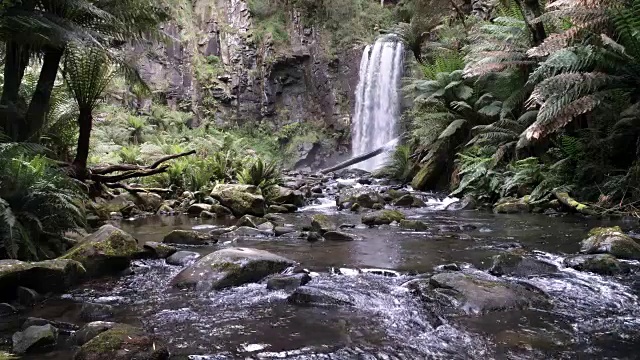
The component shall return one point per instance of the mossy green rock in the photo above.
(188, 237)
(108, 250)
(230, 267)
(511, 206)
(382, 217)
(44, 276)
(413, 225)
(461, 293)
(240, 199)
(322, 223)
(612, 241)
(280, 195)
(429, 174)
(123, 342)
(604, 264)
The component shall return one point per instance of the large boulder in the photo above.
(43, 277)
(230, 267)
(611, 241)
(34, 337)
(365, 198)
(240, 199)
(382, 217)
(518, 264)
(108, 250)
(321, 223)
(123, 342)
(188, 237)
(470, 293)
(280, 195)
(603, 264)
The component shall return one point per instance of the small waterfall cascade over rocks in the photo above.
(377, 100)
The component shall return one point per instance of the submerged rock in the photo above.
(182, 258)
(230, 267)
(611, 241)
(188, 237)
(43, 277)
(313, 236)
(604, 264)
(383, 217)
(106, 251)
(339, 236)
(90, 331)
(240, 199)
(474, 293)
(34, 337)
(408, 200)
(517, 264)
(414, 225)
(319, 296)
(96, 312)
(123, 342)
(288, 282)
(245, 232)
(511, 206)
(322, 223)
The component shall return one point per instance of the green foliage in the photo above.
(130, 155)
(399, 166)
(271, 21)
(260, 173)
(38, 205)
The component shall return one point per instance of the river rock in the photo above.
(365, 198)
(188, 237)
(245, 232)
(230, 267)
(240, 199)
(43, 277)
(474, 293)
(320, 296)
(220, 210)
(280, 195)
(250, 221)
(382, 217)
(96, 312)
(322, 223)
(339, 236)
(408, 201)
(145, 201)
(123, 342)
(511, 206)
(208, 215)
(156, 250)
(27, 297)
(603, 264)
(313, 236)
(34, 337)
(63, 327)
(182, 258)
(611, 241)
(282, 230)
(278, 209)
(276, 219)
(414, 225)
(108, 250)
(288, 282)
(516, 264)
(90, 331)
(197, 209)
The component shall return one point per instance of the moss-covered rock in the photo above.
(188, 237)
(382, 217)
(429, 174)
(511, 206)
(280, 195)
(612, 241)
(145, 201)
(123, 342)
(108, 250)
(408, 201)
(413, 225)
(156, 250)
(604, 264)
(364, 198)
(44, 276)
(322, 223)
(230, 267)
(240, 199)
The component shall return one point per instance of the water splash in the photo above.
(377, 99)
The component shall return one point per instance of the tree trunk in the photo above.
(531, 10)
(85, 122)
(16, 61)
(41, 97)
(355, 160)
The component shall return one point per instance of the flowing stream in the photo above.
(377, 99)
(591, 316)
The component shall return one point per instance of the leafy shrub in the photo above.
(260, 173)
(399, 166)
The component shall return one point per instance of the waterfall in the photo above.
(377, 100)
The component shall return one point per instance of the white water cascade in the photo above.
(377, 100)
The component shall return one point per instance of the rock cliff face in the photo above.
(214, 66)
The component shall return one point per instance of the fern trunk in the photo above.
(16, 61)
(531, 10)
(85, 122)
(42, 95)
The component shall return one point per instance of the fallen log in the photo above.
(137, 190)
(361, 158)
(572, 204)
(131, 167)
